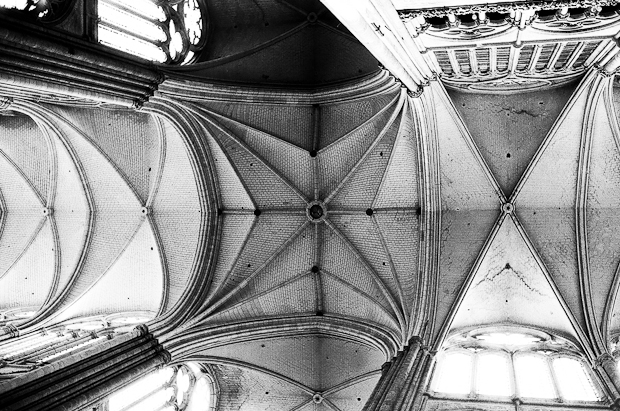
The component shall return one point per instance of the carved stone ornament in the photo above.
(469, 33)
(504, 8)
(5, 103)
(511, 83)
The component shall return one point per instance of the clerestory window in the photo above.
(187, 387)
(163, 31)
(505, 365)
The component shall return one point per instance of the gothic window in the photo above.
(532, 366)
(54, 343)
(46, 11)
(163, 31)
(187, 387)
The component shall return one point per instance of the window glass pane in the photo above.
(140, 388)
(155, 401)
(193, 21)
(200, 399)
(510, 339)
(573, 382)
(493, 375)
(130, 22)
(183, 383)
(129, 44)
(453, 375)
(145, 8)
(533, 377)
(14, 4)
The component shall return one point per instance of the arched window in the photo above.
(164, 31)
(506, 364)
(55, 343)
(187, 387)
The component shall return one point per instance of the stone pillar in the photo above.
(84, 379)
(402, 382)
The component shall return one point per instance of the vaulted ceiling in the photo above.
(345, 216)
(90, 200)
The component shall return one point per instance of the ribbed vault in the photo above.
(552, 262)
(94, 200)
(275, 258)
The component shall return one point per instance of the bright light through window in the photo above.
(533, 367)
(493, 375)
(164, 32)
(510, 339)
(145, 8)
(533, 377)
(184, 388)
(573, 381)
(454, 374)
(199, 400)
(14, 4)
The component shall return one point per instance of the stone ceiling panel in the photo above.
(509, 287)
(244, 389)
(321, 363)
(545, 200)
(337, 160)
(509, 128)
(602, 215)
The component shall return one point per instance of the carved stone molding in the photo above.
(503, 8)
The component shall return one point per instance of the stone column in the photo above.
(84, 379)
(401, 385)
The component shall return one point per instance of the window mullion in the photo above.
(513, 376)
(554, 379)
(473, 393)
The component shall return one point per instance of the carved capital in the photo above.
(416, 93)
(164, 354)
(142, 329)
(603, 359)
(9, 330)
(5, 102)
(601, 71)
(137, 104)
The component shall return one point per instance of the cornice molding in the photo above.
(499, 8)
(191, 91)
(201, 337)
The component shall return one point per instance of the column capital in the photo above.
(5, 102)
(9, 330)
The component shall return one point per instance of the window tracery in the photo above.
(504, 365)
(163, 31)
(187, 387)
